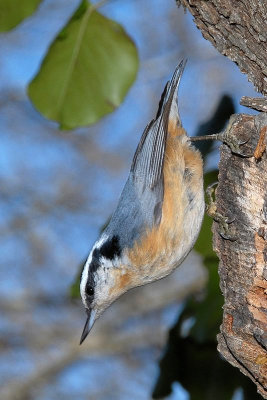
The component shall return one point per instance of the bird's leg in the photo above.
(215, 136)
(225, 231)
(226, 138)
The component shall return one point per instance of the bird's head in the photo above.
(104, 278)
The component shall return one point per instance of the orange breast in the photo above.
(155, 247)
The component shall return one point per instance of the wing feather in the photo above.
(140, 204)
(147, 165)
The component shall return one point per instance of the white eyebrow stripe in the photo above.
(100, 241)
(85, 277)
(85, 272)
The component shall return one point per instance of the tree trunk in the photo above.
(238, 30)
(241, 196)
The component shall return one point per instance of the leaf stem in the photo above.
(99, 4)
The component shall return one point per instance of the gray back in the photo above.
(140, 204)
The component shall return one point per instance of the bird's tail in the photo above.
(147, 165)
(168, 105)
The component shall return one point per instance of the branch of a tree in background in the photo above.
(109, 336)
(100, 344)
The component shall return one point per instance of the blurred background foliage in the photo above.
(77, 65)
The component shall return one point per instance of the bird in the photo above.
(158, 216)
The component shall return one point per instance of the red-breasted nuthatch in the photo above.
(158, 216)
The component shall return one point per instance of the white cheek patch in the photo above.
(106, 263)
(106, 280)
(116, 262)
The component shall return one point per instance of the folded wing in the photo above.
(140, 204)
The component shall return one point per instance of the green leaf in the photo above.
(12, 12)
(87, 71)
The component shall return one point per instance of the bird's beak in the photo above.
(91, 314)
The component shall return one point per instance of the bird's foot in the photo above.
(232, 141)
(226, 232)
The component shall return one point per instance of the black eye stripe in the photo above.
(95, 264)
(111, 248)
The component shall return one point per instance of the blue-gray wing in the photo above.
(147, 165)
(140, 204)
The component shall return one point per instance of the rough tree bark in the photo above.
(239, 31)
(241, 196)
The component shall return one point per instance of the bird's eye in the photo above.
(90, 290)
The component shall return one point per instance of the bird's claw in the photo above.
(226, 232)
(235, 145)
(233, 142)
